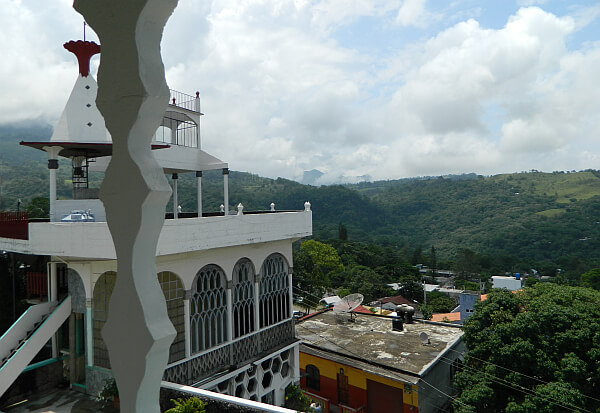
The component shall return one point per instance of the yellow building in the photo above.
(365, 365)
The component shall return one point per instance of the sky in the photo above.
(385, 89)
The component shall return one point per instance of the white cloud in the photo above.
(281, 95)
(415, 13)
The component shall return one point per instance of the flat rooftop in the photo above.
(371, 340)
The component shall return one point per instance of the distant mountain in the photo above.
(310, 177)
(547, 220)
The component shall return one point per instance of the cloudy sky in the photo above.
(385, 88)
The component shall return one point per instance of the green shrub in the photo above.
(189, 405)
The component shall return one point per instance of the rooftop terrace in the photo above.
(370, 340)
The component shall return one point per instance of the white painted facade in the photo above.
(508, 283)
(251, 350)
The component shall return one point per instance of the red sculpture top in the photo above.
(84, 51)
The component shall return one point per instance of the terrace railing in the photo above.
(321, 401)
(185, 101)
(236, 352)
(14, 225)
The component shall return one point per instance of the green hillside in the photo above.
(540, 220)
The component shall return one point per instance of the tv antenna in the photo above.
(348, 303)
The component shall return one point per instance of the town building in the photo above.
(369, 363)
(508, 283)
(226, 276)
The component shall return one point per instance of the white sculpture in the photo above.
(132, 97)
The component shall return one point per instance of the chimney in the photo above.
(397, 324)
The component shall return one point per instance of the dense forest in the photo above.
(549, 222)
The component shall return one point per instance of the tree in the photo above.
(364, 280)
(433, 261)
(313, 265)
(342, 232)
(39, 207)
(591, 279)
(417, 257)
(533, 351)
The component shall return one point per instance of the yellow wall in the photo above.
(357, 377)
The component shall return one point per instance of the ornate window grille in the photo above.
(243, 298)
(173, 291)
(208, 309)
(274, 290)
(101, 297)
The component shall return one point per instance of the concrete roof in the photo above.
(370, 339)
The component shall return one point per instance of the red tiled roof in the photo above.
(398, 299)
(361, 309)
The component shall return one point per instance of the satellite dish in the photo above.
(424, 338)
(348, 303)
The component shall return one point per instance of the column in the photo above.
(72, 351)
(232, 348)
(257, 302)
(291, 305)
(175, 198)
(197, 107)
(54, 297)
(229, 310)
(199, 191)
(226, 190)
(52, 167)
(186, 322)
(89, 332)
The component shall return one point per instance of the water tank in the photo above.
(517, 276)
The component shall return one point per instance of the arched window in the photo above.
(274, 290)
(101, 297)
(172, 289)
(243, 298)
(208, 309)
(313, 377)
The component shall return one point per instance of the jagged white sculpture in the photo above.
(132, 97)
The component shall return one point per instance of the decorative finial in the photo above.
(240, 209)
(84, 51)
(307, 206)
(272, 207)
(222, 207)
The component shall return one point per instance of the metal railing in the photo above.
(346, 409)
(233, 403)
(185, 101)
(321, 401)
(238, 352)
(14, 225)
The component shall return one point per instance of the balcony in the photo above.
(92, 240)
(240, 352)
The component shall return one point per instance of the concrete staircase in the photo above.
(26, 337)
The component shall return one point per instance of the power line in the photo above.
(517, 387)
(517, 372)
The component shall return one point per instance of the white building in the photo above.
(508, 283)
(226, 277)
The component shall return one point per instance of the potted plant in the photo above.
(110, 392)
